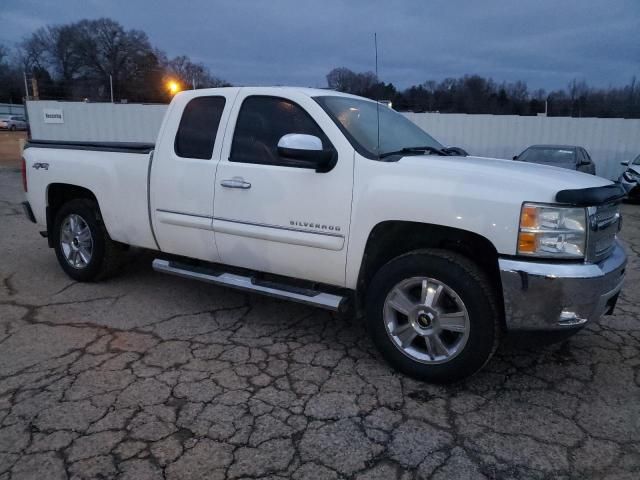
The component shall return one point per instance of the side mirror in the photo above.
(515, 157)
(306, 151)
(624, 164)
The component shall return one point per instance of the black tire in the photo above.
(471, 285)
(106, 257)
(12, 128)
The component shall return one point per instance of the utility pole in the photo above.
(111, 85)
(26, 86)
(34, 87)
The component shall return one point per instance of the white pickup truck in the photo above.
(338, 202)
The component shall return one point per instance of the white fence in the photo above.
(11, 109)
(97, 122)
(609, 141)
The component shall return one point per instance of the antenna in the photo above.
(375, 43)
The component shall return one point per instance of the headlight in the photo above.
(631, 176)
(549, 231)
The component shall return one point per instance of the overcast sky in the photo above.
(296, 42)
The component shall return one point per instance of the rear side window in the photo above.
(198, 127)
(261, 123)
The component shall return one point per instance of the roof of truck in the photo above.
(311, 92)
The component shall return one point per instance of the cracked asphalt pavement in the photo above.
(152, 376)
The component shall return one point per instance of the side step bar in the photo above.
(314, 298)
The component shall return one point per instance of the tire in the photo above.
(12, 128)
(455, 336)
(105, 255)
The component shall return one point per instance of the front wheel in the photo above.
(83, 247)
(433, 315)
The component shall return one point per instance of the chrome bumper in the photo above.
(552, 296)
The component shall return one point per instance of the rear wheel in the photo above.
(12, 128)
(83, 247)
(433, 315)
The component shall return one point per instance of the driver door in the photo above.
(270, 215)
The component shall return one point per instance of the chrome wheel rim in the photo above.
(76, 241)
(426, 320)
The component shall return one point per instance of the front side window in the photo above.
(261, 123)
(198, 127)
(358, 119)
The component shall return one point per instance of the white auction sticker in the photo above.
(53, 115)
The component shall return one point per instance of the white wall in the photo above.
(609, 141)
(11, 108)
(98, 122)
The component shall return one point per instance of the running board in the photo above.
(314, 298)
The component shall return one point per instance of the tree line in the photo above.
(89, 58)
(86, 59)
(476, 94)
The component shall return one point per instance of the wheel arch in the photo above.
(57, 195)
(390, 239)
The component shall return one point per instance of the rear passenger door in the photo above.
(183, 173)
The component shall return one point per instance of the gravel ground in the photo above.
(10, 148)
(151, 376)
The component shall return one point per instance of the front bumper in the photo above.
(555, 296)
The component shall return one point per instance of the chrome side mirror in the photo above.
(305, 151)
(300, 141)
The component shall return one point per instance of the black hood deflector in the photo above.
(587, 197)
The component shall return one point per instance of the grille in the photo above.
(604, 223)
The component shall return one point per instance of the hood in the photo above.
(634, 168)
(522, 181)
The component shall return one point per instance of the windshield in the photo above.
(358, 120)
(636, 161)
(548, 155)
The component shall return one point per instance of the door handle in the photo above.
(235, 182)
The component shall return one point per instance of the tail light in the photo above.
(24, 175)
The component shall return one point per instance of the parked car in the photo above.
(630, 178)
(564, 156)
(296, 193)
(12, 122)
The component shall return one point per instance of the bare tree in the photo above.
(106, 51)
(192, 74)
(345, 80)
(11, 84)
(32, 52)
(61, 42)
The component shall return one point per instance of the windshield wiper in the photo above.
(426, 148)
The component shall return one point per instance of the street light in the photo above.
(173, 86)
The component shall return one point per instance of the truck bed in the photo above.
(116, 173)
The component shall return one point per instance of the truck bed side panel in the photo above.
(117, 179)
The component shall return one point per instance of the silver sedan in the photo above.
(13, 122)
